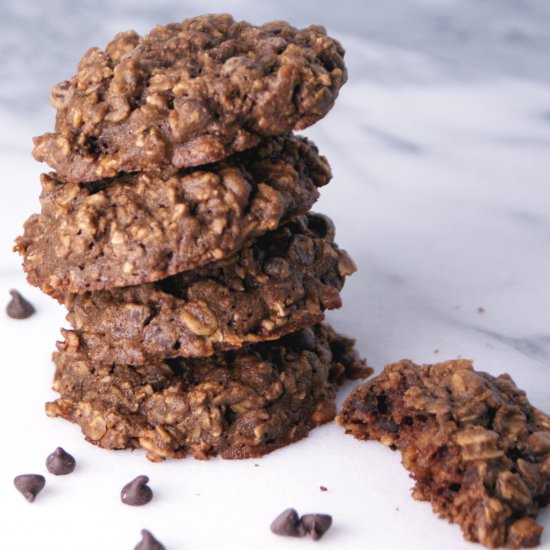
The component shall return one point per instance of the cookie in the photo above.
(142, 228)
(238, 404)
(188, 94)
(475, 446)
(282, 283)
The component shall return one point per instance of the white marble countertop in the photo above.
(439, 145)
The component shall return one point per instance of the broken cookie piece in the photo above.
(475, 446)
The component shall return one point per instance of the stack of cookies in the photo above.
(176, 232)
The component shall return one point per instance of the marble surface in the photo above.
(439, 145)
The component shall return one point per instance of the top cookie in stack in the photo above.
(176, 228)
(134, 199)
(189, 94)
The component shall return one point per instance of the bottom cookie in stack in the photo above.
(239, 404)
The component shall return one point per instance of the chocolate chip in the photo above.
(321, 225)
(303, 339)
(316, 524)
(137, 492)
(287, 524)
(323, 489)
(60, 462)
(148, 542)
(29, 485)
(19, 308)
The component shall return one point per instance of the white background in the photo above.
(439, 145)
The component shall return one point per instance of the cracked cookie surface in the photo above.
(188, 94)
(143, 227)
(280, 284)
(238, 404)
(475, 446)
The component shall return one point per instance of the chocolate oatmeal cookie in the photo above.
(477, 449)
(141, 227)
(282, 283)
(187, 94)
(239, 404)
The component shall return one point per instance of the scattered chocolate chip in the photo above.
(29, 485)
(60, 462)
(323, 489)
(148, 542)
(480, 310)
(287, 524)
(316, 524)
(19, 308)
(137, 492)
